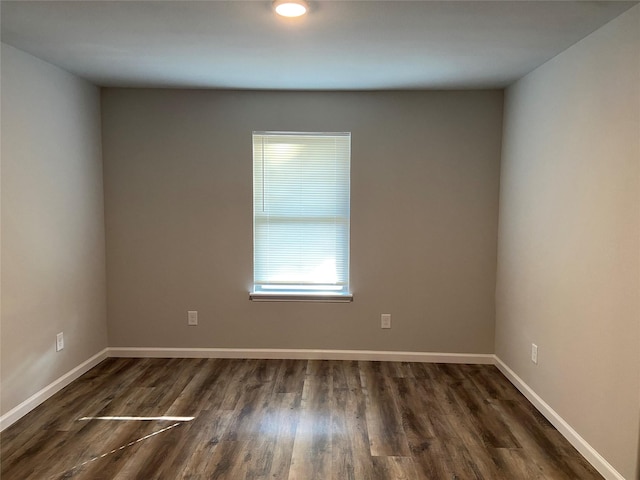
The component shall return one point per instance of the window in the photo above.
(301, 203)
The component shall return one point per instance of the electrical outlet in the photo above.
(59, 342)
(385, 320)
(534, 353)
(192, 318)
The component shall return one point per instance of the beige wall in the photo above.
(178, 192)
(53, 258)
(569, 237)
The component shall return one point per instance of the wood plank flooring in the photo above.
(288, 420)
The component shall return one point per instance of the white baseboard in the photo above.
(580, 444)
(302, 354)
(54, 387)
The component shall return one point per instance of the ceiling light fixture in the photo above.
(290, 8)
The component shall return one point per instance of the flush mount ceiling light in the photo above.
(290, 8)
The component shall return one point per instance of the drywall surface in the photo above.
(53, 256)
(424, 193)
(569, 237)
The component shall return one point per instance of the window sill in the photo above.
(300, 297)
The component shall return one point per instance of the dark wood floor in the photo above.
(288, 419)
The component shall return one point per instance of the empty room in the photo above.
(320, 240)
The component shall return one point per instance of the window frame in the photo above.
(290, 292)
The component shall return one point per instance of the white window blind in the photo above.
(301, 203)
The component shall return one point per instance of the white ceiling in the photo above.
(344, 45)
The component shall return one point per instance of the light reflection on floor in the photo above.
(178, 420)
(168, 419)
